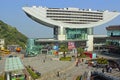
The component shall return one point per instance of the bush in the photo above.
(102, 61)
(2, 77)
(83, 56)
(78, 78)
(65, 59)
(32, 73)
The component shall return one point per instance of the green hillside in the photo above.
(11, 35)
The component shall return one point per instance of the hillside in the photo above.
(11, 35)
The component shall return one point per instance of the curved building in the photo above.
(70, 23)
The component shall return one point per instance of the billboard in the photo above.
(55, 47)
(71, 45)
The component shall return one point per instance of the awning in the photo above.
(13, 64)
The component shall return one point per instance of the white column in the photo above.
(8, 76)
(90, 43)
(61, 35)
(61, 30)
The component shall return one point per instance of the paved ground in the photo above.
(50, 68)
(46, 66)
(2, 64)
(67, 70)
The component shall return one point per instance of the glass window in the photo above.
(75, 33)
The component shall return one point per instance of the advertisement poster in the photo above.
(71, 45)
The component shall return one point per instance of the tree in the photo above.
(80, 51)
(63, 48)
(11, 35)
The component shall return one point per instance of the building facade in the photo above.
(113, 39)
(100, 43)
(70, 23)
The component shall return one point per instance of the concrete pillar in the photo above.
(90, 39)
(8, 76)
(61, 30)
(61, 35)
(90, 43)
(90, 31)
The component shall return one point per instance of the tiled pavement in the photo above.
(68, 70)
(49, 68)
(115, 73)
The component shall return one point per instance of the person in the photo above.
(25, 76)
(119, 68)
(79, 60)
(76, 62)
(110, 69)
(103, 70)
(58, 73)
(107, 68)
(82, 59)
(44, 60)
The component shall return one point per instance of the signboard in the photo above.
(94, 55)
(71, 45)
(55, 47)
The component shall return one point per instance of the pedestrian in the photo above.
(79, 60)
(97, 66)
(58, 73)
(25, 76)
(110, 69)
(76, 63)
(44, 60)
(107, 68)
(103, 70)
(82, 60)
(118, 68)
(88, 64)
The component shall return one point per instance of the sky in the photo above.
(11, 13)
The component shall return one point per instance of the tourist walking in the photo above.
(103, 70)
(76, 62)
(110, 69)
(107, 68)
(58, 73)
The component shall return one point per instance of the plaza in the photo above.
(67, 69)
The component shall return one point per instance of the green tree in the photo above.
(11, 35)
(63, 48)
(80, 51)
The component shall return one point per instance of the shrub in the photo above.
(2, 77)
(83, 56)
(78, 78)
(102, 61)
(32, 73)
(65, 59)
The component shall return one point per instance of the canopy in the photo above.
(13, 64)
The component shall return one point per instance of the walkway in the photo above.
(50, 68)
